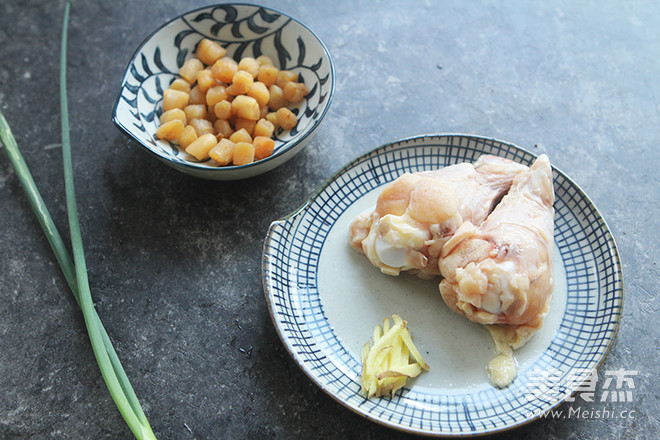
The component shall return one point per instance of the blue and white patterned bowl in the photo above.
(244, 30)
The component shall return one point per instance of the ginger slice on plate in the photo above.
(390, 360)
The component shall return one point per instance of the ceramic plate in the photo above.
(325, 299)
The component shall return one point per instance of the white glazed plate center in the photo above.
(356, 297)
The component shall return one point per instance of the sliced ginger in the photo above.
(390, 360)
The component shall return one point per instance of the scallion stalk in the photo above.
(75, 272)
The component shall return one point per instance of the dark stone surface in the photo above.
(174, 262)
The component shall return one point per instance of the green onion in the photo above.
(75, 272)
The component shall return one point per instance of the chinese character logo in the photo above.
(624, 385)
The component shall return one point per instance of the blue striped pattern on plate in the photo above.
(291, 255)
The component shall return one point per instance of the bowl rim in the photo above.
(192, 166)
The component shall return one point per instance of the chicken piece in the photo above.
(417, 213)
(500, 273)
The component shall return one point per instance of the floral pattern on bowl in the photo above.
(244, 30)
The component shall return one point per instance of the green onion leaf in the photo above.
(75, 272)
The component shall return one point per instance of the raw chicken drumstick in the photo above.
(417, 213)
(500, 272)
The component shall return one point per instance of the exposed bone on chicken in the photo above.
(417, 213)
(500, 273)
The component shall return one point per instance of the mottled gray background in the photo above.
(174, 262)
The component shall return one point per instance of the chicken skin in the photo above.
(499, 272)
(418, 213)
